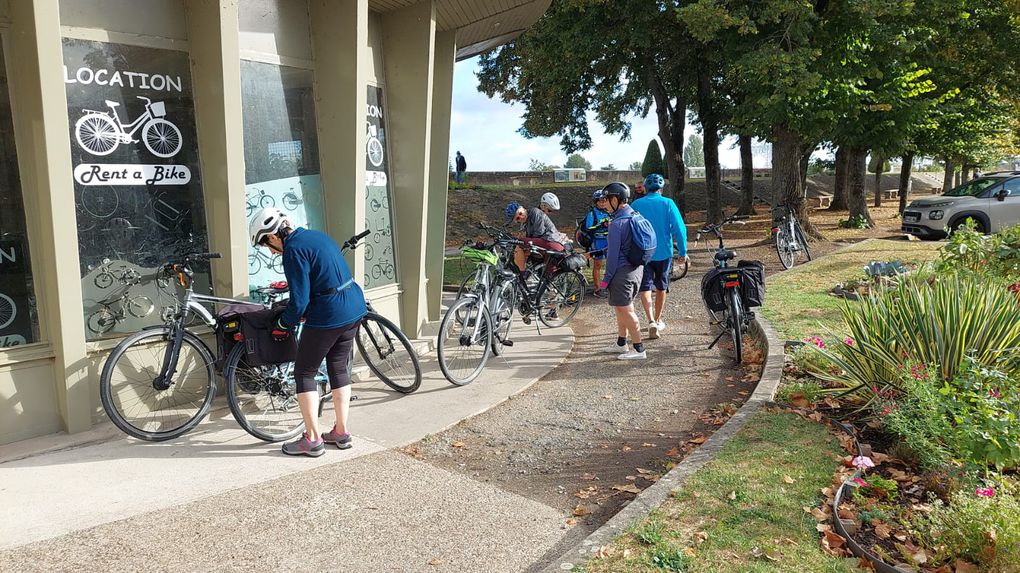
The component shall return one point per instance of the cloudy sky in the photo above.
(485, 131)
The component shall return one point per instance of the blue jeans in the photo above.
(459, 176)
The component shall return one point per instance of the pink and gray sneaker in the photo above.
(342, 441)
(305, 447)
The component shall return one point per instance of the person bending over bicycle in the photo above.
(322, 293)
(539, 229)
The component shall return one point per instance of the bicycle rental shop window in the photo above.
(380, 258)
(137, 181)
(19, 323)
(281, 155)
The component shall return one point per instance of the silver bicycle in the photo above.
(790, 239)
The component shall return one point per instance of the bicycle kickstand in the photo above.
(714, 342)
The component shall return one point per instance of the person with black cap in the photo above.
(622, 278)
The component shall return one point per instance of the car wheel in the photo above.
(978, 225)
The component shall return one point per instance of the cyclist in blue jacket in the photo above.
(596, 222)
(324, 295)
(669, 227)
(622, 278)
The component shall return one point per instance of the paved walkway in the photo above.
(218, 500)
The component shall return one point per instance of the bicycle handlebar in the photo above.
(354, 240)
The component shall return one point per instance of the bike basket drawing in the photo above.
(100, 132)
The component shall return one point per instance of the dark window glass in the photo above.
(18, 321)
(138, 185)
(380, 259)
(281, 152)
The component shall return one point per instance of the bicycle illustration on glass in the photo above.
(257, 258)
(8, 311)
(101, 132)
(260, 199)
(117, 309)
(374, 146)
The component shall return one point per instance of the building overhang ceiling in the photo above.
(481, 24)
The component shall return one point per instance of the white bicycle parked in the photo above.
(100, 132)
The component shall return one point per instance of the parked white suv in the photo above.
(992, 201)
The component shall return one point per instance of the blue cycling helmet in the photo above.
(511, 209)
(596, 195)
(654, 182)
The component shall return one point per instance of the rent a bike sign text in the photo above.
(131, 174)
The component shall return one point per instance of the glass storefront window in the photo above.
(137, 180)
(380, 257)
(19, 323)
(281, 154)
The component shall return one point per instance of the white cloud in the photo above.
(485, 131)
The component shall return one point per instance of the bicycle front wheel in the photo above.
(784, 247)
(263, 399)
(389, 353)
(465, 340)
(735, 322)
(560, 298)
(162, 138)
(139, 402)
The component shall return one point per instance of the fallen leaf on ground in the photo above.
(832, 543)
(435, 562)
(732, 495)
(571, 521)
(458, 444)
(819, 514)
(581, 510)
(831, 402)
(644, 472)
(789, 479)
(628, 488)
(603, 552)
(799, 400)
(965, 567)
(607, 397)
(697, 440)
(631, 478)
(626, 448)
(588, 477)
(822, 527)
(690, 552)
(673, 453)
(883, 531)
(700, 536)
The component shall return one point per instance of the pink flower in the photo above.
(985, 492)
(849, 341)
(995, 394)
(917, 372)
(860, 482)
(816, 341)
(862, 462)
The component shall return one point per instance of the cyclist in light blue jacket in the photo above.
(669, 227)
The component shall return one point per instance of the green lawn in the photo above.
(740, 513)
(455, 269)
(797, 301)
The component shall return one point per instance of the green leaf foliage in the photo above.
(653, 160)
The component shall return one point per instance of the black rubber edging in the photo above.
(653, 496)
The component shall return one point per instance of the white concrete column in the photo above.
(408, 52)
(44, 159)
(340, 45)
(439, 169)
(216, 75)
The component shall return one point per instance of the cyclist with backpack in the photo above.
(325, 297)
(538, 228)
(631, 242)
(593, 235)
(669, 227)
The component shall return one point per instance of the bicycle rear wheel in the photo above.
(560, 298)
(389, 353)
(677, 270)
(735, 321)
(263, 399)
(802, 240)
(465, 341)
(134, 397)
(503, 314)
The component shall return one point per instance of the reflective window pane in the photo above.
(380, 259)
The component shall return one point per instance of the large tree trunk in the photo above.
(906, 181)
(671, 133)
(858, 174)
(805, 160)
(965, 173)
(878, 182)
(839, 190)
(710, 129)
(787, 147)
(746, 176)
(947, 179)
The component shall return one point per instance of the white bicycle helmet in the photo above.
(551, 201)
(266, 221)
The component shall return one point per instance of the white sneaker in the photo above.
(615, 349)
(633, 355)
(662, 326)
(653, 330)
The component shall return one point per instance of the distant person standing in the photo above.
(461, 164)
(669, 227)
(639, 189)
(622, 278)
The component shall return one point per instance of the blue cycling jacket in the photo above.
(669, 225)
(620, 241)
(313, 265)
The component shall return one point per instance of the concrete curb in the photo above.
(652, 497)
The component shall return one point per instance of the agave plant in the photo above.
(936, 322)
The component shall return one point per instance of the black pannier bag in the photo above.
(573, 262)
(259, 347)
(228, 330)
(752, 283)
(712, 290)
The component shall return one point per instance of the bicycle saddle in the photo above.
(112, 103)
(726, 255)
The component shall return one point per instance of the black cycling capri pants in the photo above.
(332, 344)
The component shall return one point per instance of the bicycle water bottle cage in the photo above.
(726, 255)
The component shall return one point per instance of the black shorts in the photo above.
(656, 276)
